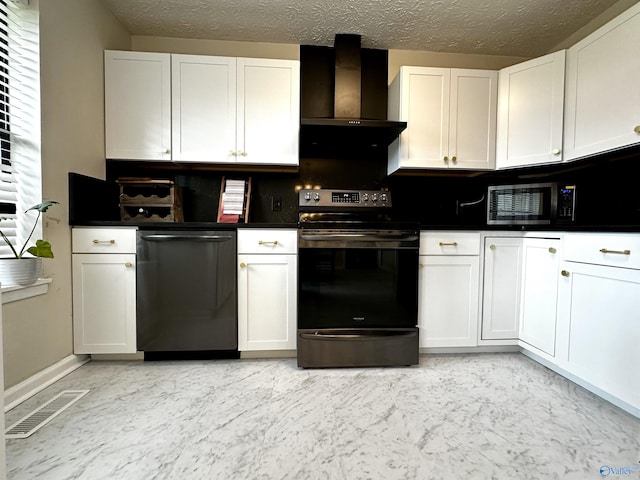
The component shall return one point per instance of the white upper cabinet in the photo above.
(268, 114)
(530, 111)
(602, 109)
(203, 97)
(450, 115)
(137, 105)
(196, 108)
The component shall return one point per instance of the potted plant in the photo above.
(25, 270)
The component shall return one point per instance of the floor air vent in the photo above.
(44, 414)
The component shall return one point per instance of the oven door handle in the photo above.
(353, 336)
(367, 237)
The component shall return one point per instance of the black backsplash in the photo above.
(606, 188)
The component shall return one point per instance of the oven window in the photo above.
(357, 288)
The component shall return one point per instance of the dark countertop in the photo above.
(181, 225)
(234, 226)
(538, 228)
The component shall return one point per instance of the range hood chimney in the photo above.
(344, 97)
(348, 90)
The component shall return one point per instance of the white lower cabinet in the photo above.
(104, 291)
(448, 289)
(502, 274)
(267, 289)
(539, 293)
(598, 304)
(601, 305)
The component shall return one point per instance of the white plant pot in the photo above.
(20, 271)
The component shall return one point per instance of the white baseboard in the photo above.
(36, 383)
(268, 354)
(480, 349)
(583, 383)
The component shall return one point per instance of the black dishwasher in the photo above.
(186, 294)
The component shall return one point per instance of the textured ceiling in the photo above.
(499, 27)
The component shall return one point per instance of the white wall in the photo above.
(222, 48)
(74, 33)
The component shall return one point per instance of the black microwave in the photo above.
(531, 204)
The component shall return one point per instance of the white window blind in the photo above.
(20, 172)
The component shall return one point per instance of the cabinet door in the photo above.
(530, 112)
(424, 105)
(448, 301)
(104, 303)
(501, 295)
(603, 91)
(540, 267)
(472, 130)
(604, 327)
(267, 294)
(137, 105)
(203, 108)
(268, 111)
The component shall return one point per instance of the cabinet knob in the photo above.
(420, 265)
(167, 151)
(232, 153)
(556, 151)
(128, 264)
(243, 265)
(454, 159)
(552, 250)
(565, 273)
(637, 129)
(492, 247)
(446, 159)
(242, 153)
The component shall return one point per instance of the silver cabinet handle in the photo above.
(617, 252)
(448, 244)
(273, 242)
(111, 242)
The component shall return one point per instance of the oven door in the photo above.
(357, 298)
(357, 279)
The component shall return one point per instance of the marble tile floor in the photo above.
(485, 416)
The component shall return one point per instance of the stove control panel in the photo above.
(345, 198)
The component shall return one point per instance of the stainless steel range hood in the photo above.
(344, 96)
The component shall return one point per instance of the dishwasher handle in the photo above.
(166, 237)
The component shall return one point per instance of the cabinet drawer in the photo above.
(103, 240)
(257, 240)
(450, 243)
(616, 250)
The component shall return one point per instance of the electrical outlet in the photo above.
(276, 204)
